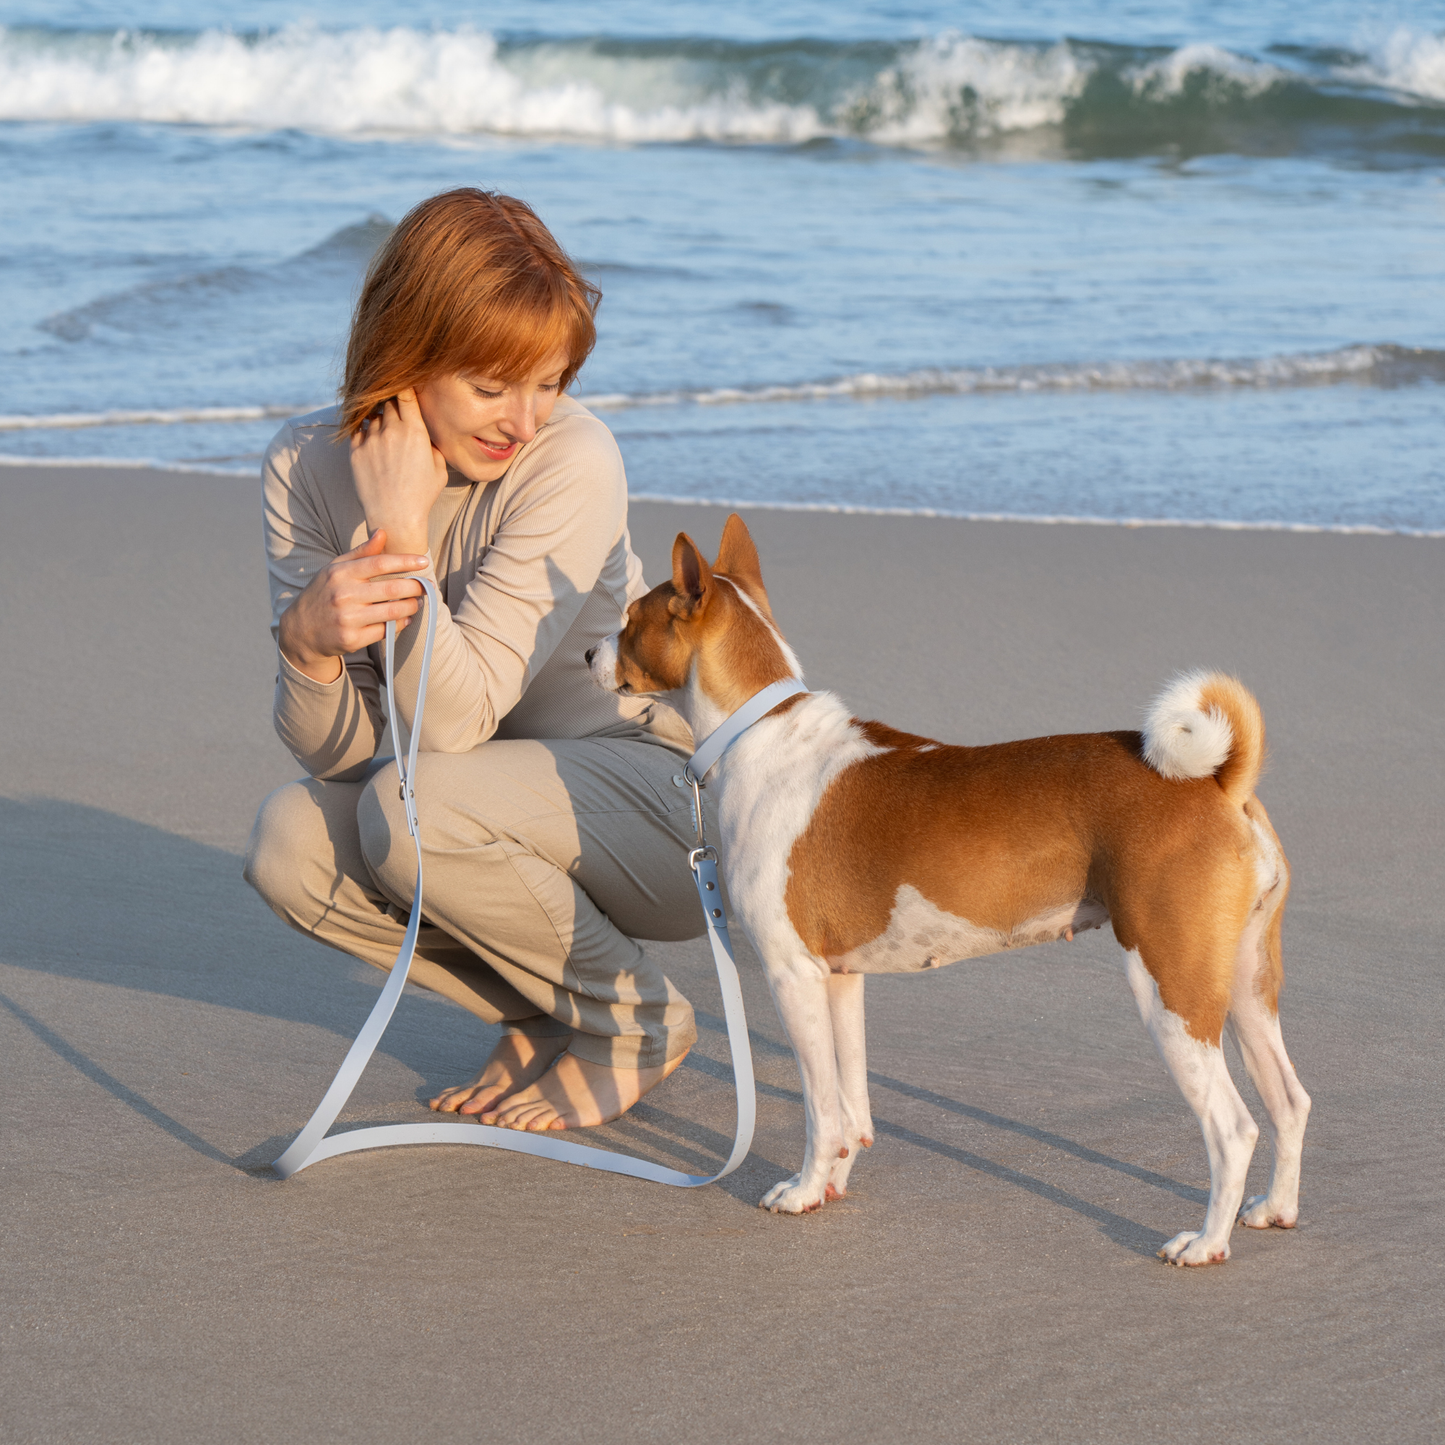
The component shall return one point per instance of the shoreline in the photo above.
(840, 509)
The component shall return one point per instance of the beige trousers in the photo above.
(543, 862)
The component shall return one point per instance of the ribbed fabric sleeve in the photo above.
(534, 568)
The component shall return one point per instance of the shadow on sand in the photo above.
(103, 898)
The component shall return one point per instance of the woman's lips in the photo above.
(497, 454)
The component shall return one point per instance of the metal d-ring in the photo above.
(697, 822)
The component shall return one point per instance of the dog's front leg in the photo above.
(800, 993)
(845, 1005)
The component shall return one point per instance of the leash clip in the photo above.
(697, 820)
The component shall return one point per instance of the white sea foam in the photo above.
(1383, 362)
(459, 82)
(750, 504)
(956, 84)
(397, 80)
(155, 416)
(1310, 368)
(1170, 75)
(844, 509)
(1378, 364)
(1407, 61)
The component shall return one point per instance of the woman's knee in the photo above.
(452, 813)
(385, 841)
(293, 843)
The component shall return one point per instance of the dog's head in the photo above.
(710, 627)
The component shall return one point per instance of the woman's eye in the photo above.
(490, 395)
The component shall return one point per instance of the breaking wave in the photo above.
(1379, 365)
(1382, 365)
(951, 89)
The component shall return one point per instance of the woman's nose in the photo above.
(521, 419)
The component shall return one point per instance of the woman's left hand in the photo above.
(399, 474)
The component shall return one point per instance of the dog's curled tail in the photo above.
(1207, 723)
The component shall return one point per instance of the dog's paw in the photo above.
(1258, 1213)
(789, 1196)
(1190, 1248)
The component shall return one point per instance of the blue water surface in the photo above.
(1116, 261)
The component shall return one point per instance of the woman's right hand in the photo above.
(346, 607)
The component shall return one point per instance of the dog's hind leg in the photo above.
(845, 1006)
(1229, 1132)
(800, 992)
(1254, 1025)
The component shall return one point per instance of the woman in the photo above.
(552, 831)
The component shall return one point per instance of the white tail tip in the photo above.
(1181, 739)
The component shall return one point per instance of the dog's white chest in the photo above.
(770, 785)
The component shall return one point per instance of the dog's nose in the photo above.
(589, 655)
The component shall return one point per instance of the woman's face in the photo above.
(477, 422)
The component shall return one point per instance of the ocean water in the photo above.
(1146, 260)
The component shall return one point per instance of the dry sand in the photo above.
(993, 1275)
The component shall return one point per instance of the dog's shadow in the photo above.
(1129, 1234)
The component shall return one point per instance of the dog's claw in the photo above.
(1189, 1248)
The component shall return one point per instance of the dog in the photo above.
(851, 848)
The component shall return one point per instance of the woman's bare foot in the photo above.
(516, 1061)
(575, 1094)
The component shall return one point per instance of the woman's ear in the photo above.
(691, 577)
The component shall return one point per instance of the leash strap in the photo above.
(312, 1144)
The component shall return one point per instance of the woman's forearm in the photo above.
(331, 729)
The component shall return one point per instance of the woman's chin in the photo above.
(473, 466)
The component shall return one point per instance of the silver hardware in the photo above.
(698, 824)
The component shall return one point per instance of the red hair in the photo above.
(469, 281)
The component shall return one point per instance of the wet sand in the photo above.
(992, 1276)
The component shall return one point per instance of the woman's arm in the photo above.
(564, 507)
(326, 609)
(345, 607)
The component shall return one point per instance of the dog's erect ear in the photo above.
(737, 558)
(691, 577)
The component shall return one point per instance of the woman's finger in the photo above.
(372, 569)
(369, 564)
(407, 407)
(389, 589)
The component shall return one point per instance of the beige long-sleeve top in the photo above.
(533, 569)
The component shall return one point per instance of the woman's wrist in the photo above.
(318, 666)
(403, 534)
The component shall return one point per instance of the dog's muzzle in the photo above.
(602, 662)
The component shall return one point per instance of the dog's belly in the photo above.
(921, 935)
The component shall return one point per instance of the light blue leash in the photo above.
(312, 1144)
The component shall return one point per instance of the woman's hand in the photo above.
(347, 605)
(399, 474)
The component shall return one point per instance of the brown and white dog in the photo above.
(852, 848)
